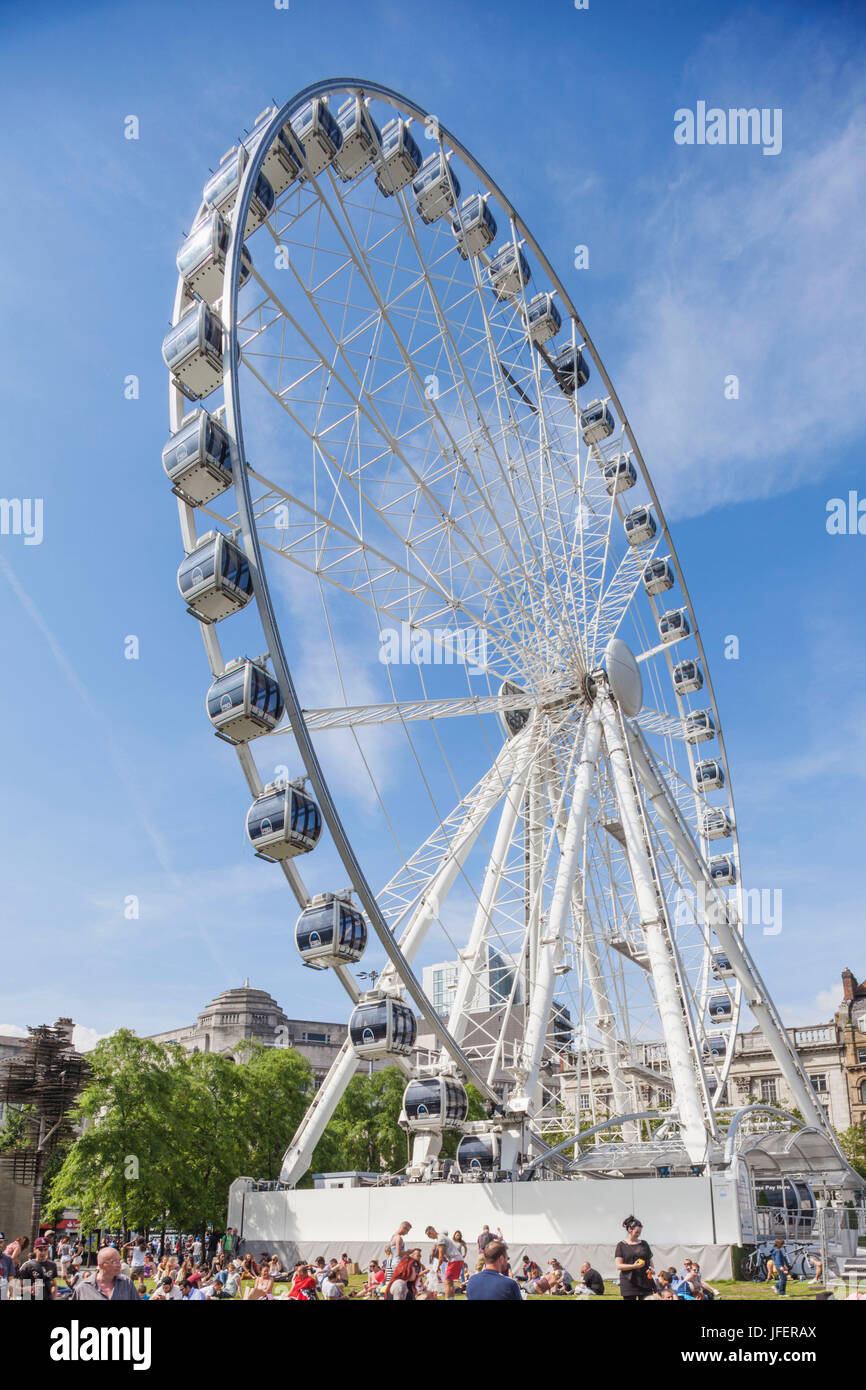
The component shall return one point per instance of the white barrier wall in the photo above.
(573, 1221)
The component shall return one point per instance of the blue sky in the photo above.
(704, 262)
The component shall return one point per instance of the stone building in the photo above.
(243, 1014)
(755, 1075)
(851, 1027)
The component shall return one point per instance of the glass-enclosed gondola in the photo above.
(330, 931)
(193, 351)
(620, 474)
(715, 1046)
(201, 259)
(699, 726)
(674, 625)
(571, 368)
(658, 577)
(197, 460)
(400, 158)
(283, 821)
(542, 318)
(244, 701)
(360, 138)
(688, 677)
(474, 226)
(222, 188)
(379, 1027)
(596, 422)
(721, 966)
(717, 824)
(640, 526)
(215, 578)
(318, 133)
(720, 1007)
(435, 188)
(478, 1155)
(723, 869)
(282, 162)
(434, 1103)
(508, 271)
(709, 775)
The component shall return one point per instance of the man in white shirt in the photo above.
(446, 1251)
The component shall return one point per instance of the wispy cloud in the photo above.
(752, 268)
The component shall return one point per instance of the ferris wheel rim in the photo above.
(232, 409)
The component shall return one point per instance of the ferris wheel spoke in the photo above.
(327, 550)
(478, 547)
(317, 532)
(406, 711)
(507, 426)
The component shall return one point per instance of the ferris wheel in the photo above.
(468, 645)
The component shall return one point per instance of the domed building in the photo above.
(247, 1014)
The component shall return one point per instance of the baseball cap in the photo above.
(40, 1244)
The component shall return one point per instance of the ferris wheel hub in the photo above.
(622, 673)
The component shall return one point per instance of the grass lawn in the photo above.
(730, 1289)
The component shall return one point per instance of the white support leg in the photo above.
(605, 1017)
(471, 961)
(693, 1124)
(298, 1155)
(714, 909)
(542, 993)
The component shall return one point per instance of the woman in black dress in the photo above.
(633, 1259)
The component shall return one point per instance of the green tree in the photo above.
(277, 1088)
(364, 1132)
(853, 1143)
(118, 1170)
(207, 1108)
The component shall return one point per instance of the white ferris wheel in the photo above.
(482, 675)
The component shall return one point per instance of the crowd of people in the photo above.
(198, 1268)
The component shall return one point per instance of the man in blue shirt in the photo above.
(493, 1283)
(779, 1256)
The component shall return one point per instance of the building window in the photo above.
(861, 1055)
(316, 1037)
(664, 1099)
(863, 1092)
(819, 1081)
(585, 1100)
(768, 1090)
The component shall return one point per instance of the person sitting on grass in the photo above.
(304, 1288)
(333, 1288)
(559, 1279)
(264, 1284)
(705, 1290)
(591, 1283)
(528, 1270)
(375, 1284)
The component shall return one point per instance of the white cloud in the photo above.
(763, 280)
(85, 1039)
